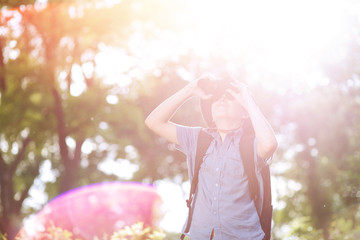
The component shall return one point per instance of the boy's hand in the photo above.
(198, 89)
(242, 94)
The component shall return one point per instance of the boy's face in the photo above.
(227, 107)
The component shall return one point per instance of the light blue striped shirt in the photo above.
(222, 201)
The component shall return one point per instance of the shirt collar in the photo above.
(235, 134)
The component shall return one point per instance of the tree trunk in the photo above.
(2, 67)
(71, 164)
(10, 220)
(317, 196)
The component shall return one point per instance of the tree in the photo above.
(39, 115)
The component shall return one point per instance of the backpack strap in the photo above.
(247, 155)
(203, 144)
(267, 209)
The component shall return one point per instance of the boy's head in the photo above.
(222, 105)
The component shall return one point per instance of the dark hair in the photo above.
(205, 106)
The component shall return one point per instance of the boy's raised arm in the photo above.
(159, 119)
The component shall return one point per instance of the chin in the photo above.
(227, 124)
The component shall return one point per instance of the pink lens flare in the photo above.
(97, 209)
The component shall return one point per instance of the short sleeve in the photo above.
(187, 137)
(260, 162)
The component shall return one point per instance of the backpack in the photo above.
(247, 154)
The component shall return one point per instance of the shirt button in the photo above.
(216, 185)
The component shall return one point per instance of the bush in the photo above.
(2, 236)
(135, 232)
(138, 232)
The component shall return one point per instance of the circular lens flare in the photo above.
(96, 210)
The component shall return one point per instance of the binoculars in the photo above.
(216, 87)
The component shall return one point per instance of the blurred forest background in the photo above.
(78, 78)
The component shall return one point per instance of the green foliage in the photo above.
(38, 108)
(136, 231)
(325, 163)
(302, 228)
(342, 228)
(57, 233)
(15, 3)
(3, 236)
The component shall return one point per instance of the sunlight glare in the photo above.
(174, 205)
(78, 86)
(112, 99)
(280, 37)
(121, 168)
(285, 39)
(113, 64)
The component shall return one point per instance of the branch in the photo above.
(2, 228)
(3, 169)
(76, 128)
(89, 81)
(19, 156)
(2, 67)
(77, 152)
(34, 173)
(68, 77)
(61, 128)
(2, 162)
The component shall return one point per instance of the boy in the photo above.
(222, 206)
